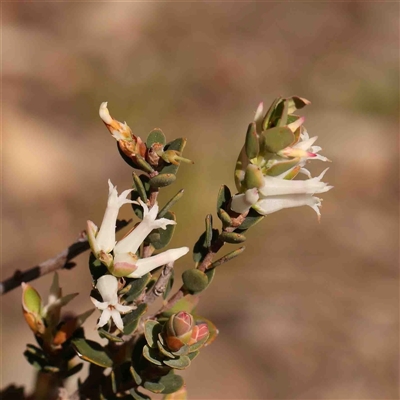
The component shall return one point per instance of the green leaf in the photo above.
(281, 167)
(136, 377)
(162, 180)
(282, 121)
(198, 345)
(210, 275)
(107, 335)
(180, 363)
(97, 269)
(36, 358)
(92, 352)
(223, 198)
(232, 237)
(193, 355)
(136, 287)
(170, 204)
(194, 280)
(131, 320)
(140, 189)
(151, 331)
(179, 145)
(160, 238)
(155, 387)
(152, 355)
(224, 217)
(164, 351)
(296, 103)
(199, 249)
(252, 145)
(276, 139)
(135, 194)
(225, 258)
(171, 382)
(155, 136)
(268, 116)
(143, 164)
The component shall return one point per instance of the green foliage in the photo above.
(194, 280)
(162, 180)
(136, 287)
(131, 320)
(170, 204)
(156, 136)
(252, 146)
(93, 352)
(160, 238)
(276, 139)
(232, 237)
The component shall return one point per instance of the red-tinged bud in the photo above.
(296, 153)
(199, 333)
(178, 330)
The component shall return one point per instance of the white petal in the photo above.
(243, 201)
(104, 318)
(131, 242)
(105, 239)
(116, 316)
(276, 203)
(306, 172)
(259, 113)
(107, 285)
(277, 187)
(104, 113)
(124, 309)
(98, 304)
(146, 265)
(305, 144)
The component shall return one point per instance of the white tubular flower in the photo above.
(132, 242)
(103, 240)
(145, 265)
(278, 193)
(274, 186)
(107, 285)
(126, 263)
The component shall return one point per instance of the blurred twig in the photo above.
(61, 260)
(159, 287)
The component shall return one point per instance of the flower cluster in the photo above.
(121, 257)
(276, 151)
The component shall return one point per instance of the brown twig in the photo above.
(216, 245)
(159, 287)
(60, 261)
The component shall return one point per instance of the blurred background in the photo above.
(310, 311)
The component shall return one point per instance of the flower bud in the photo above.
(199, 333)
(130, 145)
(178, 330)
(32, 307)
